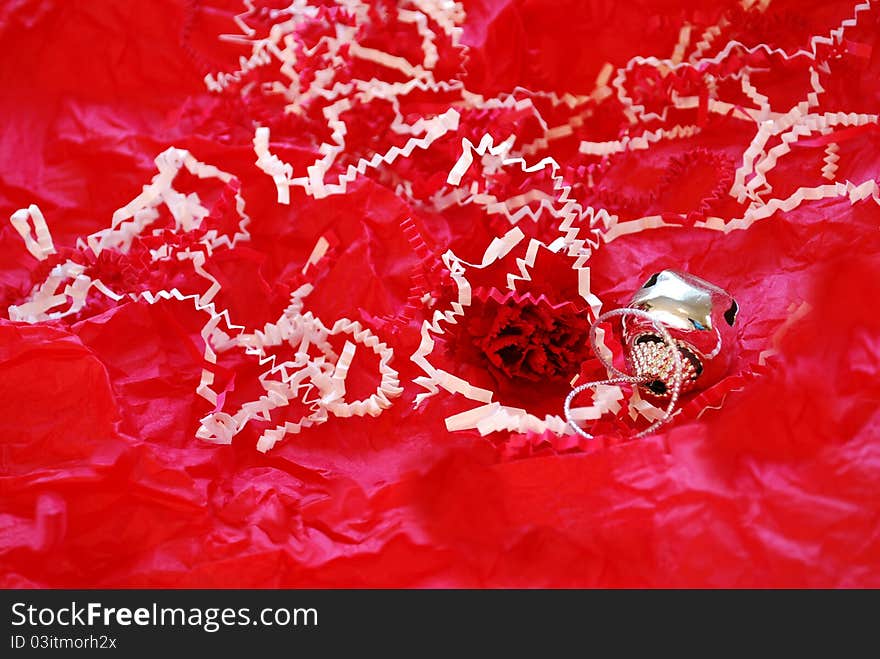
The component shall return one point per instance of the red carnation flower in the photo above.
(529, 339)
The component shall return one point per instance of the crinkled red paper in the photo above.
(771, 478)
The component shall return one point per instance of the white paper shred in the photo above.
(31, 226)
(312, 374)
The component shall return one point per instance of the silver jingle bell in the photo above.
(699, 317)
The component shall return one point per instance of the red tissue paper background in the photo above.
(736, 141)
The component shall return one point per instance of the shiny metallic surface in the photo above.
(677, 300)
(698, 315)
(652, 359)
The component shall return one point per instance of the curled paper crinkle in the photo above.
(413, 173)
(67, 284)
(582, 228)
(31, 226)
